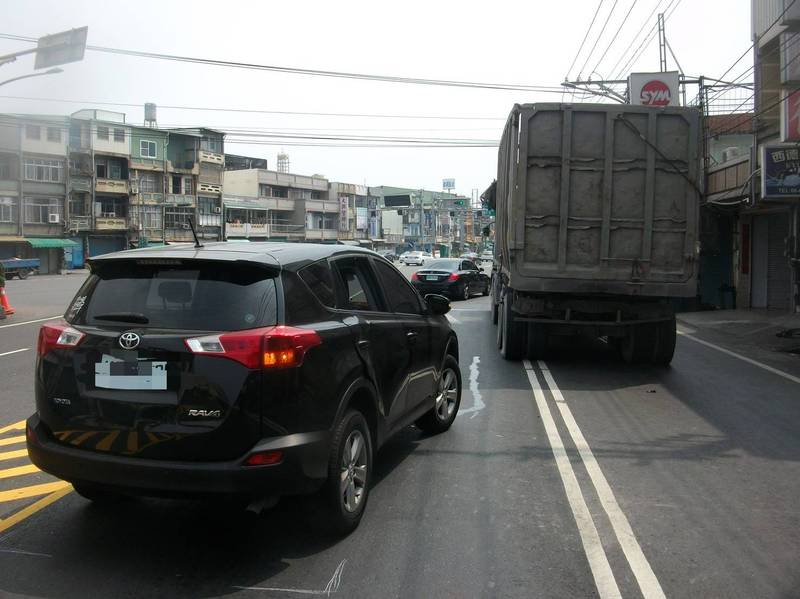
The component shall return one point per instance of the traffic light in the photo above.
(459, 202)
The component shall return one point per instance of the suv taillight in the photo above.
(414, 276)
(270, 347)
(58, 336)
(453, 277)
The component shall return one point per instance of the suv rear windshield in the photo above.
(194, 295)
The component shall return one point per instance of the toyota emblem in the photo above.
(129, 340)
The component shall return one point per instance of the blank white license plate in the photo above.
(434, 278)
(113, 373)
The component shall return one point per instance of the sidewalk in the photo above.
(750, 331)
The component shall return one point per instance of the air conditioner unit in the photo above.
(53, 218)
(217, 210)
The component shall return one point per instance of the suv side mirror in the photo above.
(438, 304)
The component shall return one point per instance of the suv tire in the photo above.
(448, 400)
(345, 493)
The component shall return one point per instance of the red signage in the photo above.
(655, 93)
(792, 117)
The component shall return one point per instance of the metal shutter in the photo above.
(778, 272)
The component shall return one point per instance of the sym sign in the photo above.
(653, 89)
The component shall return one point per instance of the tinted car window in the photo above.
(399, 294)
(469, 265)
(355, 277)
(319, 279)
(194, 295)
(451, 265)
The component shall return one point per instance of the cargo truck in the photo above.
(597, 226)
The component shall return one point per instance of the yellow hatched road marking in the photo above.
(17, 426)
(12, 440)
(18, 471)
(32, 491)
(34, 507)
(10, 455)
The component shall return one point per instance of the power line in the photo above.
(602, 31)
(650, 36)
(585, 37)
(614, 37)
(636, 37)
(261, 111)
(308, 72)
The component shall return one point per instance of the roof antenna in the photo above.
(197, 243)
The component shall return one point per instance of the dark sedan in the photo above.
(454, 277)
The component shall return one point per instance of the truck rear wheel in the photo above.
(666, 335)
(638, 345)
(23, 274)
(512, 335)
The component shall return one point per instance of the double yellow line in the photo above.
(52, 491)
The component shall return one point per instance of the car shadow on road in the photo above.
(173, 548)
(744, 407)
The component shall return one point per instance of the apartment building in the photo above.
(33, 187)
(265, 204)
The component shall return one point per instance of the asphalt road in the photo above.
(573, 477)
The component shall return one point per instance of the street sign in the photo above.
(448, 184)
(61, 48)
(780, 167)
(654, 89)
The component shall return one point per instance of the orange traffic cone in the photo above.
(4, 302)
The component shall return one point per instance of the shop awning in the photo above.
(51, 242)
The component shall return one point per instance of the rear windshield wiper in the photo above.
(123, 317)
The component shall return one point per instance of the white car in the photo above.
(415, 258)
(487, 257)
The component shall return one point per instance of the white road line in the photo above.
(452, 319)
(785, 375)
(19, 324)
(592, 546)
(648, 583)
(477, 398)
(16, 351)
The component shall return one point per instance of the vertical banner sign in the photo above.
(343, 202)
(780, 171)
(790, 116)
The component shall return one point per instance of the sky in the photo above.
(532, 42)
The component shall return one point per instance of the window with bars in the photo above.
(39, 210)
(53, 134)
(102, 132)
(211, 144)
(151, 216)
(149, 183)
(8, 210)
(119, 135)
(51, 171)
(177, 217)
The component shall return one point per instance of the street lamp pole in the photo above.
(53, 71)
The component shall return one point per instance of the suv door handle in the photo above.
(363, 344)
(412, 336)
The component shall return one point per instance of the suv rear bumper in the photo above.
(303, 468)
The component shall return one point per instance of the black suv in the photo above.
(254, 370)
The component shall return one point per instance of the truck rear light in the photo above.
(264, 458)
(453, 277)
(270, 347)
(58, 336)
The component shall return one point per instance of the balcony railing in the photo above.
(209, 188)
(212, 157)
(150, 197)
(186, 167)
(147, 164)
(321, 234)
(80, 223)
(180, 198)
(247, 230)
(321, 206)
(110, 224)
(287, 230)
(111, 186)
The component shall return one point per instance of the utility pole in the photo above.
(662, 43)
